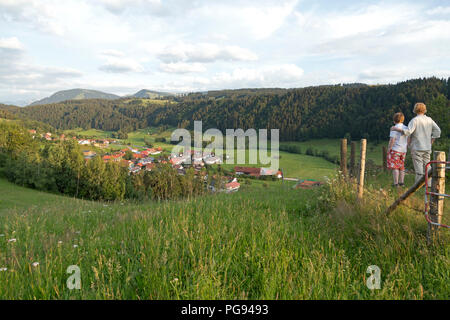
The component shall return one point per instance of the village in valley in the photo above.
(140, 159)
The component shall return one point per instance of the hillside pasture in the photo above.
(270, 242)
(333, 146)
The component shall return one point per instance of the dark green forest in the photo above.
(357, 110)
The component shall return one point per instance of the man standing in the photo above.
(423, 131)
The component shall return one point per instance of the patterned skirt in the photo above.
(396, 160)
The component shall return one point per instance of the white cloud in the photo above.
(121, 65)
(120, 6)
(256, 19)
(370, 19)
(205, 52)
(440, 10)
(113, 53)
(285, 75)
(11, 44)
(42, 15)
(377, 74)
(263, 22)
(19, 75)
(182, 67)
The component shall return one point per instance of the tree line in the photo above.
(357, 110)
(59, 167)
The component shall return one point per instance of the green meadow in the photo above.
(374, 151)
(297, 166)
(267, 241)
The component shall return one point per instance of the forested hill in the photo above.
(75, 94)
(313, 112)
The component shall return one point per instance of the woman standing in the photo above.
(397, 151)
(423, 131)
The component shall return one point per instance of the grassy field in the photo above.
(92, 133)
(137, 137)
(333, 146)
(296, 166)
(268, 241)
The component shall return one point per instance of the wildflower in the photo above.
(77, 232)
(2, 235)
(12, 240)
(3, 269)
(59, 242)
(35, 264)
(75, 246)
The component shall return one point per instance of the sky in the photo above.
(122, 46)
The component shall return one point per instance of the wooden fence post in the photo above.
(384, 162)
(362, 167)
(436, 202)
(344, 157)
(352, 159)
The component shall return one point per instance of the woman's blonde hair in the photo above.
(420, 108)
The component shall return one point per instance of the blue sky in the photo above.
(122, 46)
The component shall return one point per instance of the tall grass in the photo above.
(260, 243)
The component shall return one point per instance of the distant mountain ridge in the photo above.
(145, 93)
(75, 94)
(80, 94)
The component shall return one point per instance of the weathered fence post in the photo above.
(362, 167)
(436, 201)
(344, 157)
(352, 159)
(384, 162)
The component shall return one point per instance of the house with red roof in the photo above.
(255, 172)
(232, 186)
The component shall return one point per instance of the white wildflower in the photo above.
(59, 242)
(3, 269)
(12, 240)
(75, 246)
(35, 264)
(2, 235)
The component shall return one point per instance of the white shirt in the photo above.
(422, 129)
(400, 140)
